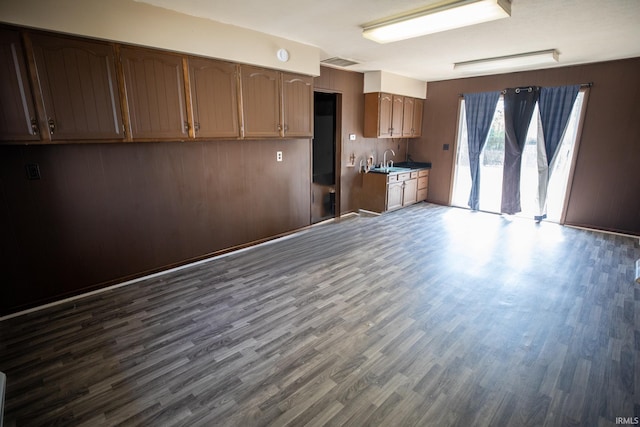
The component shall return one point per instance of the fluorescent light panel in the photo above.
(511, 61)
(436, 19)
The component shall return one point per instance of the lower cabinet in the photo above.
(423, 184)
(386, 192)
(394, 195)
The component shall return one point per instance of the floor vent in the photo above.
(338, 62)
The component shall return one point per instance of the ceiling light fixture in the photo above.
(542, 57)
(441, 17)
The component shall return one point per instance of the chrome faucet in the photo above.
(384, 157)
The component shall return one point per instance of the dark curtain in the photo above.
(519, 104)
(479, 109)
(555, 105)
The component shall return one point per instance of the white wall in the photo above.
(136, 23)
(382, 81)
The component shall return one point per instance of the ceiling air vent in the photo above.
(338, 62)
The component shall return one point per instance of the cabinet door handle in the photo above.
(34, 127)
(196, 126)
(186, 126)
(279, 127)
(52, 126)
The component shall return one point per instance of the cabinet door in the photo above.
(410, 193)
(155, 93)
(79, 88)
(407, 117)
(385, 111)
(297, 105)
(397, 118)
(18, 120)
(214, 96)
(260, 102)
(418, 106)
(394, 195)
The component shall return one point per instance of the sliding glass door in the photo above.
(492, 163)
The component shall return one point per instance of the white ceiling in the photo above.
(581, 30)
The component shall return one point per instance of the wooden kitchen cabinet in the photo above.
(397, 117)
(394, 195)
(416, 126)
(410, 190)
(392, 116)
(297, 105)
(423, 185)
(18, 119)
(214, 98)
(260, 102)
(79, 87)
(407, 117)
(154, 84)
(385, 192)
(378, 111)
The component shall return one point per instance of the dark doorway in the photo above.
(323, 202)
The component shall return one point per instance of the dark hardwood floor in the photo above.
(428, 316)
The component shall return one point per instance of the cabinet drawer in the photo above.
(423, 182)
(403, 176)
(392, 178)
(422, 195)
(414, 174)
(423, 172)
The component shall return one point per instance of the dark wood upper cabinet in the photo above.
(79, 87)
(297, 105)
(154, 83)
(18, 120)
(260, 102)
(214, 98)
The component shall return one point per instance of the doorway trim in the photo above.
(338, 154)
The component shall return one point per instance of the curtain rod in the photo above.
(582, 85)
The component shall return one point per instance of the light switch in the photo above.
(352, 137)
(278, 156)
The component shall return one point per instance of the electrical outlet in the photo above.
(33, 171)
(278, 156)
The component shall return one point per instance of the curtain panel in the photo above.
(555, 105)
(479, 111)
(519, 104)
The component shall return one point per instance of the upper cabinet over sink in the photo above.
(392, 116)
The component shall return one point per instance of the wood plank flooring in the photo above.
(427, 316)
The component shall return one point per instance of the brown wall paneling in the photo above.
(79, 88)
(154, 83)
(103, 213)
(350, 85)
(606, 182)
(18, 120)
